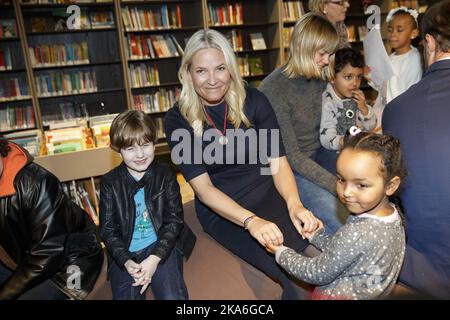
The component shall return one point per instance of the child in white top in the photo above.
(406, 62)
(362, 260)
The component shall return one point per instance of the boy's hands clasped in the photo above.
(143, 272)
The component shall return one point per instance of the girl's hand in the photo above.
(132, 267)
(265, 232)
(272, 248)
(144, 277)
(303, 219)
(310, 235)
(360, 99)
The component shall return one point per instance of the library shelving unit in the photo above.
(76, 69)
(153, 35)
(243, 22)
(17, 110)
(291, 12)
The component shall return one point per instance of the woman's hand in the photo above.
(144, 276)
(310, 235)
(303, 219)
(265, 232)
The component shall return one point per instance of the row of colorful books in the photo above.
(144, 75)
(17, 118)
(46, 55)
(77, 192)
(66, 83)
(58, 22)
(8, 28)
(13, 88)
(250, 66)
(143, 19)
(225, 14)
(153, 46)
(160, 101)
(5, 59)
(292, 11)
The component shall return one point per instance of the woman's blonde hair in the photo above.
(191, 106)
(311, 33)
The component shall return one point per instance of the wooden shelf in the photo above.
(82, 94)
(70, 31)
(167, 30)
(65, 5)
(75, 65)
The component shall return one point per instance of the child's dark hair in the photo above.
(385, 146)
(4, 148)
(131, 127)
(346, 56)
(406, 13)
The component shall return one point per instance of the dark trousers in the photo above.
(43, 291)
(167, 282)
(242, 244)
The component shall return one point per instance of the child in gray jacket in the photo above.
(363, 259)
(343, 103)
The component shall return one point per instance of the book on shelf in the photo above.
(8, 28)
(235, 39)
(66, 83)
(256, 66)
(292, 11)
(160, 101)
(5, 59)
(225, 14)
(57, 21)
(67, 140)
(287, 32)
(257, 41)
(243, 66)
(29, 140)
(17, 118)
(144, 75)
(351, 33)
(100, 126)
(45, 55)
(143, 19)
(101, 19)
(13, 88)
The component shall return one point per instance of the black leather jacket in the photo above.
(163, 200)
(45, 234)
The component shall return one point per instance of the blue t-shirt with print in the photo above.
(144, 233)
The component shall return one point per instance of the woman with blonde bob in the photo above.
(335, 11)
(238, 205)
(295, 92)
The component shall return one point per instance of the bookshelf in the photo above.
(17, 111)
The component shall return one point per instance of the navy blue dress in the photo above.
(241, 180)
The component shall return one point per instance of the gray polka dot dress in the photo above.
(361, 261)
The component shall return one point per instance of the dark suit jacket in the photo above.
(420, 118)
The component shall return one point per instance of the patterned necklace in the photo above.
(223, 140)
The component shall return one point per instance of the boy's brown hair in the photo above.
(131, 127)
